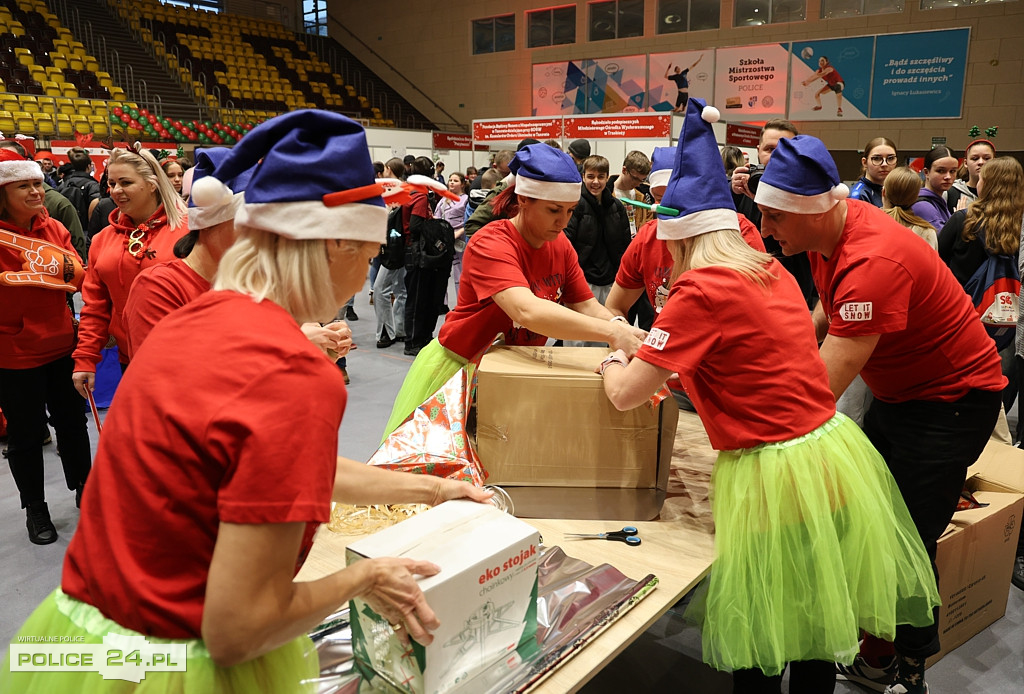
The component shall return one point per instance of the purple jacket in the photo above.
(452, 212)
(931, 208)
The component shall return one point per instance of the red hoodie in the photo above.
(112, 269)
(35, 322)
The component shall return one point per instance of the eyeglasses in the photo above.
(878, 159)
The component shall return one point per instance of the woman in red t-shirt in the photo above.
(149, 219)
(38, 265)
(801, 500)
(219, 460)
(520, 277)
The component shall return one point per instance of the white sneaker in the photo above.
(900, 689)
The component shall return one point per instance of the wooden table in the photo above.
(678, 553)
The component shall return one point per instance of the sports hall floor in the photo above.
(664, 659)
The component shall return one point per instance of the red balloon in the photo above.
(125, 118)
(118, 111)
(134, 124)
(144, 112)
(192, 137)
(218, 139)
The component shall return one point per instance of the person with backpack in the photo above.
(892, 312)
(79, 187)
(981, 245)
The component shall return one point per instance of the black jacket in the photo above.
(599, 231)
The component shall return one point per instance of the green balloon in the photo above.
(134, 113)
(230, 140)
(114, 119)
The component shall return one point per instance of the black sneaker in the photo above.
(867, 676)
(410, 350)
(40, 527)
(1018, 572)
(385, 340)
(350, 314)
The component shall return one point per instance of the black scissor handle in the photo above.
(631, 540)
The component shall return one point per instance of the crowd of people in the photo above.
(827, 337)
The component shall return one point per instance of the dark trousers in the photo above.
(25, 396)
(805, 677)
(928, 447)
(426, 290)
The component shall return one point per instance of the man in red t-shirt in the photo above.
(892, 312)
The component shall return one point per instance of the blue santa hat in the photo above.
(546, 173)
(697, 186)
(224, 208)
(801, 177)
(300, 158)
(662, 161)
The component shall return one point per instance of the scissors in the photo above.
(628, 535)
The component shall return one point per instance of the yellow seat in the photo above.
(64, 126)
(84, 109)
(82, 126)
(24, 125)
(7, 124)
(58, 61)
(70, 92)
(99, 126)
(44, 124)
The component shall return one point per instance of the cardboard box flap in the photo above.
(441, 534)
(557, 362)
(999, 468)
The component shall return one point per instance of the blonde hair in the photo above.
(146, 166)
(723, 248)
(901, 188)
(293, 274)
(999, 207)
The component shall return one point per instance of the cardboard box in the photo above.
(547, 433)
(485, 596)
(1000, 468)
(975, 557)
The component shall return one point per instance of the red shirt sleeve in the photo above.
(751, 234)
(871, 298)
(492, 265)
(684, 332)
(94, 327)
(148, 302)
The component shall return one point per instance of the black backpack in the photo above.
(392, 253)
(435, 247)
(77, 190)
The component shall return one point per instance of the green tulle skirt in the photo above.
(282, 670)
(433, 367)
(813, 543)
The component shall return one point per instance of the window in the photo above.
(211, 5)
(552, 27)
(618, 19)
(314, 17)
(939, 4)
(675, 16)
(837, 9)
(757, 12)
(494, 34)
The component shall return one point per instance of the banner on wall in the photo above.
(616, 85)
(920, 75)
(831, 79)
(670, 74)
(559, 88)
(750, 81)
(502, 130)
(638, 125)
(742, 135)
(455, 141)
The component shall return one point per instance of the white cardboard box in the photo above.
(485, 596)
